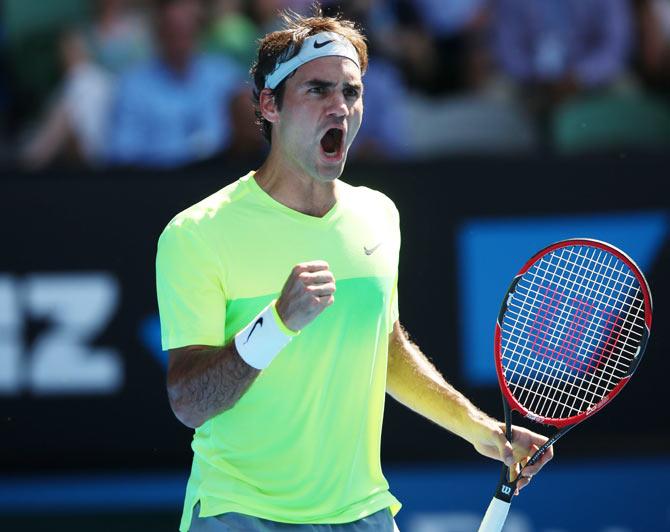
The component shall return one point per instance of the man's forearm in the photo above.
(413, 381)
(205, 381)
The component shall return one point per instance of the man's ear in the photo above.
(268, 106)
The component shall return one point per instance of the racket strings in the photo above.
(573, 341)
(571, 331)
(570, 342)
(596, 285)
(565, 313)
(553, 389)
(553, 393)
(587, 334)
(600, 286)
(615, 357)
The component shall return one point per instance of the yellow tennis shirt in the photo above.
(302, 445)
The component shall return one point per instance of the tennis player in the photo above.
(282, 379)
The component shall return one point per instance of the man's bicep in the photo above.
(397, 332)
(397, 339)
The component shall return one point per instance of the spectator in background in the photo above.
(563, 46)
(232, 32)
(75, 123)
(383, 133)
(264, 14)
(236, 25)
(451, 32)
(118, 35)
(175, 108)
(653, 50)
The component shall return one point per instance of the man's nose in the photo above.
(337, 105)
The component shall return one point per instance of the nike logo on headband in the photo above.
(321, 44)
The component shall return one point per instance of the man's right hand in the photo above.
(307, 292)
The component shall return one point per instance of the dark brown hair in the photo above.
(282, 45)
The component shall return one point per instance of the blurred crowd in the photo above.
(164, 83)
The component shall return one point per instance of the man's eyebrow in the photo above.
(329, 84)
(319, 83)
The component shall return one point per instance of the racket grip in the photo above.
(495, 516)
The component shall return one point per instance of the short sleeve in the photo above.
(191, 297)
(394, 312)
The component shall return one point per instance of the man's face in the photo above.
(320, 116)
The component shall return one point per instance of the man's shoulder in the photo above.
(212, 210)
(368, 197)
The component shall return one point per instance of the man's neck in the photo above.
(296, 189)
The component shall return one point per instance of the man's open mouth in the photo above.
(331, 142)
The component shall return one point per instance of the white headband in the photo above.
(320, 45)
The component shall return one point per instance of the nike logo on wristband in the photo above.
(321, 44)
(259, 322)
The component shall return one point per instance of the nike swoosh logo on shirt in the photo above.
(370, 251)
(259, 322)
(321, 44)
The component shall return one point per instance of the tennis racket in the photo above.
(570, 333)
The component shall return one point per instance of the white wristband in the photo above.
(265, 336)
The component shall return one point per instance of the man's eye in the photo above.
(317, 90)
(351, 93)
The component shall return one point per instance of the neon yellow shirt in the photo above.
(302, 445)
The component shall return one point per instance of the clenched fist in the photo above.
(307, 292)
